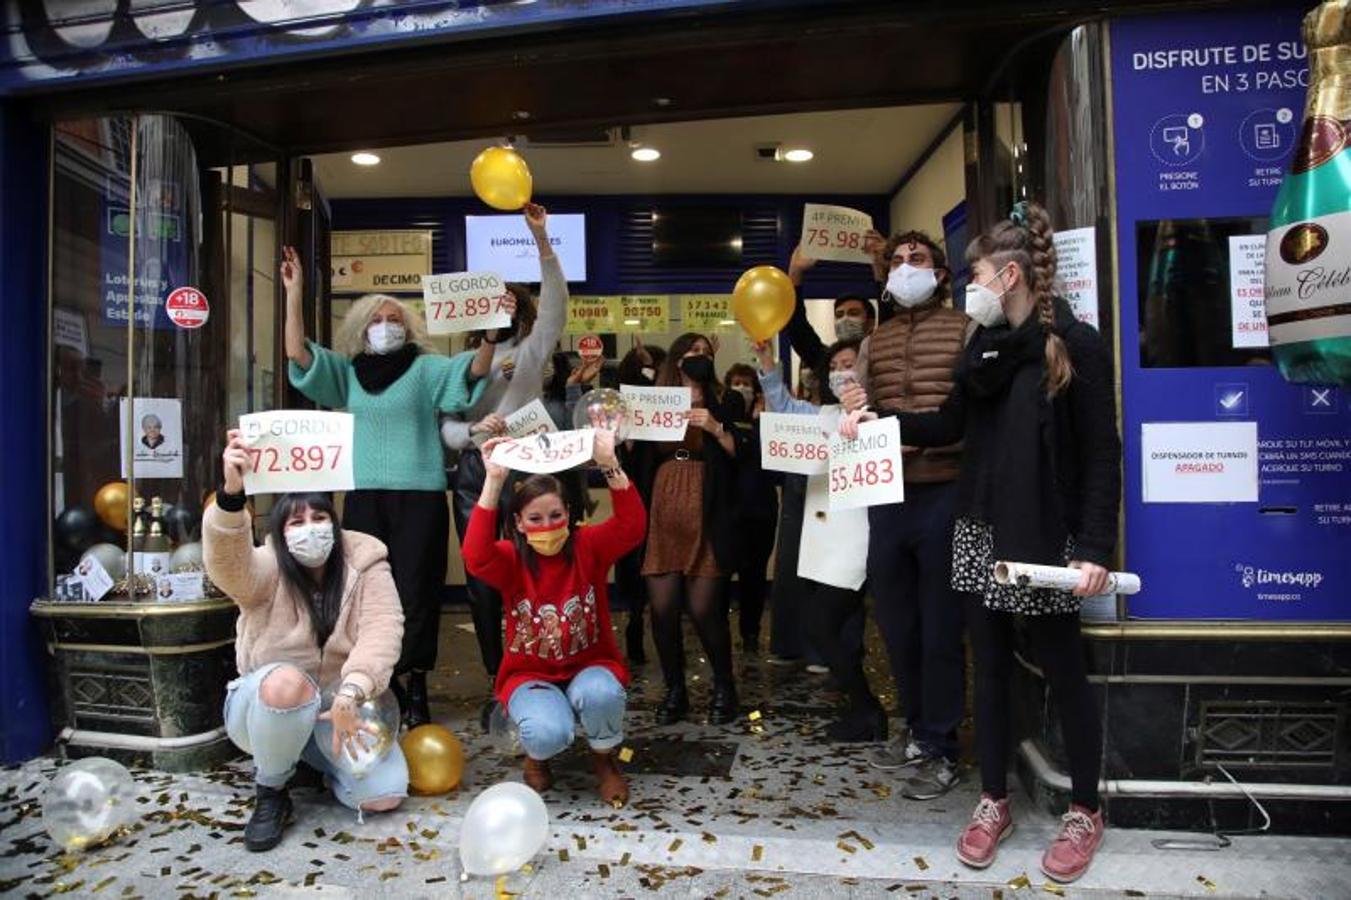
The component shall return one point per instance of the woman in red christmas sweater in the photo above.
(561, 661)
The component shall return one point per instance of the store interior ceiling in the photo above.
(854, 151)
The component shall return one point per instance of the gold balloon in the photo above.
(762, 301)
(111, 504)
(435, 759)
(501, 178)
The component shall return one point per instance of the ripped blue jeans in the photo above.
(546, 713)
(279, 738)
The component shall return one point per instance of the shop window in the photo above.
(144, 381)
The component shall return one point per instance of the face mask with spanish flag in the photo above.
(547, 540)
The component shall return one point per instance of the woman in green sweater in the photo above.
(383, 372)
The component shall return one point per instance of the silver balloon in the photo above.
(379, 718)
(603, 408)
(112, 557)
(187, 558)
(503, 734)
(505, 827)
(87, 802)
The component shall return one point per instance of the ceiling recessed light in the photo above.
(800, 155)
(646, 154)
(521, 115)
(365, 159)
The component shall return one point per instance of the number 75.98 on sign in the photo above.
(297, 450)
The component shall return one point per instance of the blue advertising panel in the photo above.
(1207, 110)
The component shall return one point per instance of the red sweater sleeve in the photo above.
(489, 560)
(623, 531)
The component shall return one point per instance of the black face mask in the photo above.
(698, 368)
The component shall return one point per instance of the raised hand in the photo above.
(292, 276)
(798, 264)
(603, 449)
(493, 472)
(536, 218)
(850, 421)
(235, 460)
(492, 423)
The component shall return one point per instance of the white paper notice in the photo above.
(1247, 267)
(297, 450)
(464, 301)
(179, 587)
(91, 575)
(1076, 253)
(532, 418)
(656, 413)
(793, 443)
(68, 330)
(867, 470)
(544, 454)
(1199, 462)
(156, 437)
(834, 232)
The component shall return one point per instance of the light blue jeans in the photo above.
(546, 715)
(279, 738)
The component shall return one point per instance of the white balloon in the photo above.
(505, 827)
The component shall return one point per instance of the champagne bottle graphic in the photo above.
(1308, 256)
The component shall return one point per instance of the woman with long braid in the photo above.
(1040, 483)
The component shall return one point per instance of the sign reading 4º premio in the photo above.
(297, 450)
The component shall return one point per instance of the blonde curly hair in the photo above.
(350, 340)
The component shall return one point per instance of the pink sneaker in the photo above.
(989, 825)
(1071, 853)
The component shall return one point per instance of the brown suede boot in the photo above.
(538, 775)
(614, 790)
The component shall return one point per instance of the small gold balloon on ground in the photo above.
(435, 759)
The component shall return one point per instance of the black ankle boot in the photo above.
(674, 706)
(861, 724)
(723, 707)
(400, 695)
(417, 712)
(271, 813)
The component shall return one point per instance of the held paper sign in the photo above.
(793, 443)
(1199, 462)
(545, 454)
(297, 450)
(656, 413)
(867, 470)
(465, 301)
(530, 419)
(1247, 292)
(1077, 267)
(834, 232)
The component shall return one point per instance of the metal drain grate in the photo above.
(1261, 734)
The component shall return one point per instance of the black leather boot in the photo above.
(401, 695)
(417, 711)
(723, 707)
(271, 814)
(674, 706)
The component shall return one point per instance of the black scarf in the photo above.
(377, 371)
(1008, 468)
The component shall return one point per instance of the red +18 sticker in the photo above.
(186, 307)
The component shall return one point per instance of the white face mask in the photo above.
(910, 286)
(747, 393)
(984, 306)
(841, 379)
(848, 328)
(649, 373)
(310, 543)
(385, 337)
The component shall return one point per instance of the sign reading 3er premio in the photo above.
(544, 454)
(657, 413)
(834, 232)
(464, 301)
(793, 443)
(297, 450)
(867, 470)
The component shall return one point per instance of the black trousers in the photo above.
(755, 536)
(830, 614)
(415, 526)
(1056, 647)
(918, 612)
(485, 604)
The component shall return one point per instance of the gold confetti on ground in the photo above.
(624, 860)
(709, 838)
(757, 853)
(1056, 889)
(921, 864)
(1020, 882)
(604, 870)
(675, 845)
(563, 855)
(1205, 882)
(626, 755)
(754, 715)
(581, 841)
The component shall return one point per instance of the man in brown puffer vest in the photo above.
(907, 365)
